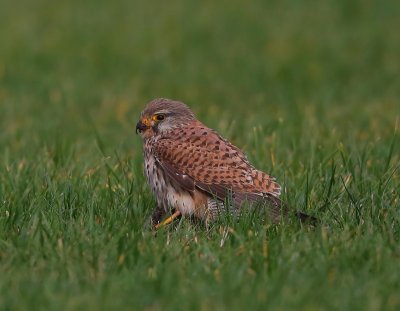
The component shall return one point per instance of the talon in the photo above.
(168, 220)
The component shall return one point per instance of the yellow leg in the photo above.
(168, 220)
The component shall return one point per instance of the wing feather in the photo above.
(198, 157)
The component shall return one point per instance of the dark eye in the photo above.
(160, 117)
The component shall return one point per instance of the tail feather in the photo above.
(275, 207)
(306, 219)
(278, 209)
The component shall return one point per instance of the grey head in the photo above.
(161, 115)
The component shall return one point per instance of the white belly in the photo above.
(167, 196)
(181, 200)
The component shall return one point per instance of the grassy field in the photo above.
(309, 89)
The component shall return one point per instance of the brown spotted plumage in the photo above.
(193, 170)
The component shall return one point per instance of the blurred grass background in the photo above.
(309, 89)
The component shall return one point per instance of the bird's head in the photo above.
(161, 115)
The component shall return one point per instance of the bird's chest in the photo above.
(167, 193)
(155, 176)
(154, 173)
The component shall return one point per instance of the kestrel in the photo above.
(193, 171)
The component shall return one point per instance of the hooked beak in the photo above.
(142, 125)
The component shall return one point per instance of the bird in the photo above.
(193, 171)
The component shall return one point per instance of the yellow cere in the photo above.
(146, 121)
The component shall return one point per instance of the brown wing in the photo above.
(198, 157)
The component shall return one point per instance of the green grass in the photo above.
(309, 89)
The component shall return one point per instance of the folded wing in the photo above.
(201, 159)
